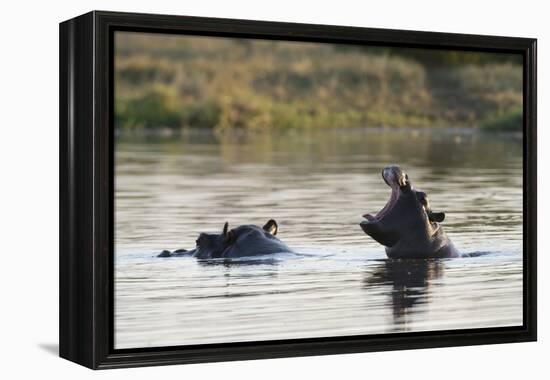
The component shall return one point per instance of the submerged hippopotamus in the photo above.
(407, 226)
(242, 241)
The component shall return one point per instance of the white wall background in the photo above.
(29, 187)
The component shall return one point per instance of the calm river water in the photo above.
(316, 185)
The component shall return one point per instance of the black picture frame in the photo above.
(86, 189)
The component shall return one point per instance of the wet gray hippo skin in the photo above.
(407, 226)
(242, 241)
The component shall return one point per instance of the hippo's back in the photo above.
(256, 246)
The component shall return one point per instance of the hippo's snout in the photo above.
(365, 226)
(165, 253)
(394, 176)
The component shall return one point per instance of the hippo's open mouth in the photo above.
(396, 179)
(387, 208)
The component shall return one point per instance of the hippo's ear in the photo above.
(225, 228)
(228, 236)
(271, 227)
(438, 217)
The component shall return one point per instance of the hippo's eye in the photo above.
(197, 242)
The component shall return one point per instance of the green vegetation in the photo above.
(156, 107)
(199, 82)
(509, 121)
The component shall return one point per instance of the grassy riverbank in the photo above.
(178, 82)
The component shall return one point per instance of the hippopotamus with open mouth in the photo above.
(242, 241)
(407, 226)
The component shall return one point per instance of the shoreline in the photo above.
(170, 133)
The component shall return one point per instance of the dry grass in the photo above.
(174, 81)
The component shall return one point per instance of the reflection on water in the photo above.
(409, 280)
(316, 185)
